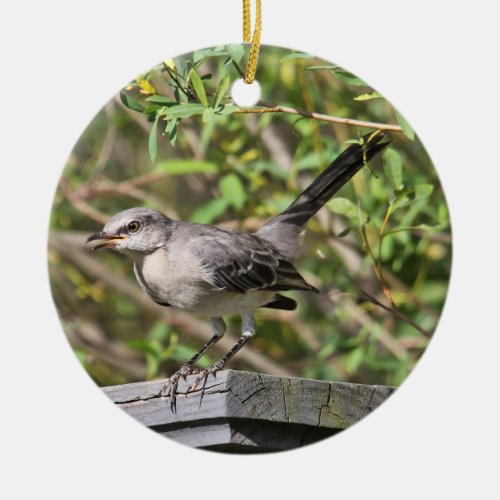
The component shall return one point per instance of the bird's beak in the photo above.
(101, 240)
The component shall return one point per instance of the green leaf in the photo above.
(233, 191)
(152, 110)
(159, 331)
(221, 91)
(180, 167)
(433, 292)
(343, 233)
(153, 365)
(81, 355)
(411, 195)
(354, 360)
(368, 96)
(198, 87)
(131, 102)
(423, 191)
(180, 64)
(200, 55)
(419, 227)
(296, 55)
(320, 67)
(160, 99)
(393, 168)
(405, 126)
(236, 51)
(171, 130)
(345, 207)
(208, 115)
(228, 109)
(184, 110)
(347, 77)
(307, 161)
(153, 142)
(143, 346)
(209, 212)
(183, 352)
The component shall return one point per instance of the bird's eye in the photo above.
(133, 226)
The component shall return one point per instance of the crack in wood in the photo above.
(241, 410)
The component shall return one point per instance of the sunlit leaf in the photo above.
(145, 87)
(179, 167)
(368, 96)
(170, 63)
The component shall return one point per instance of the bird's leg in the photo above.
(248, 331)
(170, 388)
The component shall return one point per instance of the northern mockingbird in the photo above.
(211, 271)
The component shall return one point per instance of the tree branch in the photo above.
(396, 312)
(269, 107)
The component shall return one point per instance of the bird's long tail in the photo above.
(283, 230)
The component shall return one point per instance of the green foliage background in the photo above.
(173, 140)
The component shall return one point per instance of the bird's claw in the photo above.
(203, 375)
(170, 388)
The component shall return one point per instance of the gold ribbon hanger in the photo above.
(255, 40)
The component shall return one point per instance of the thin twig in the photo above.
(123, 188)
(397, 313)
(81, 205)
(109, 139)
(383, 336)
(269, 107)
(377, 263)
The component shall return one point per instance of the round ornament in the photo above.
(249, 276)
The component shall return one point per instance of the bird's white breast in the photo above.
(177, 277)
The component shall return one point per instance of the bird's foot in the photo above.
(170, 388)
(204, 374)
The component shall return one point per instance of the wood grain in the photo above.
(250, 412)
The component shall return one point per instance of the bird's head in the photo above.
(133, 231)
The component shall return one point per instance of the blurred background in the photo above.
(172, 140)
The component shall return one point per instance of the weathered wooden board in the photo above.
(242, 411)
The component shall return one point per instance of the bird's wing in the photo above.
(241, 262)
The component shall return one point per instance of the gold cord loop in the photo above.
(255, 40)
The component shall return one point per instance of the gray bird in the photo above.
(210, 271)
